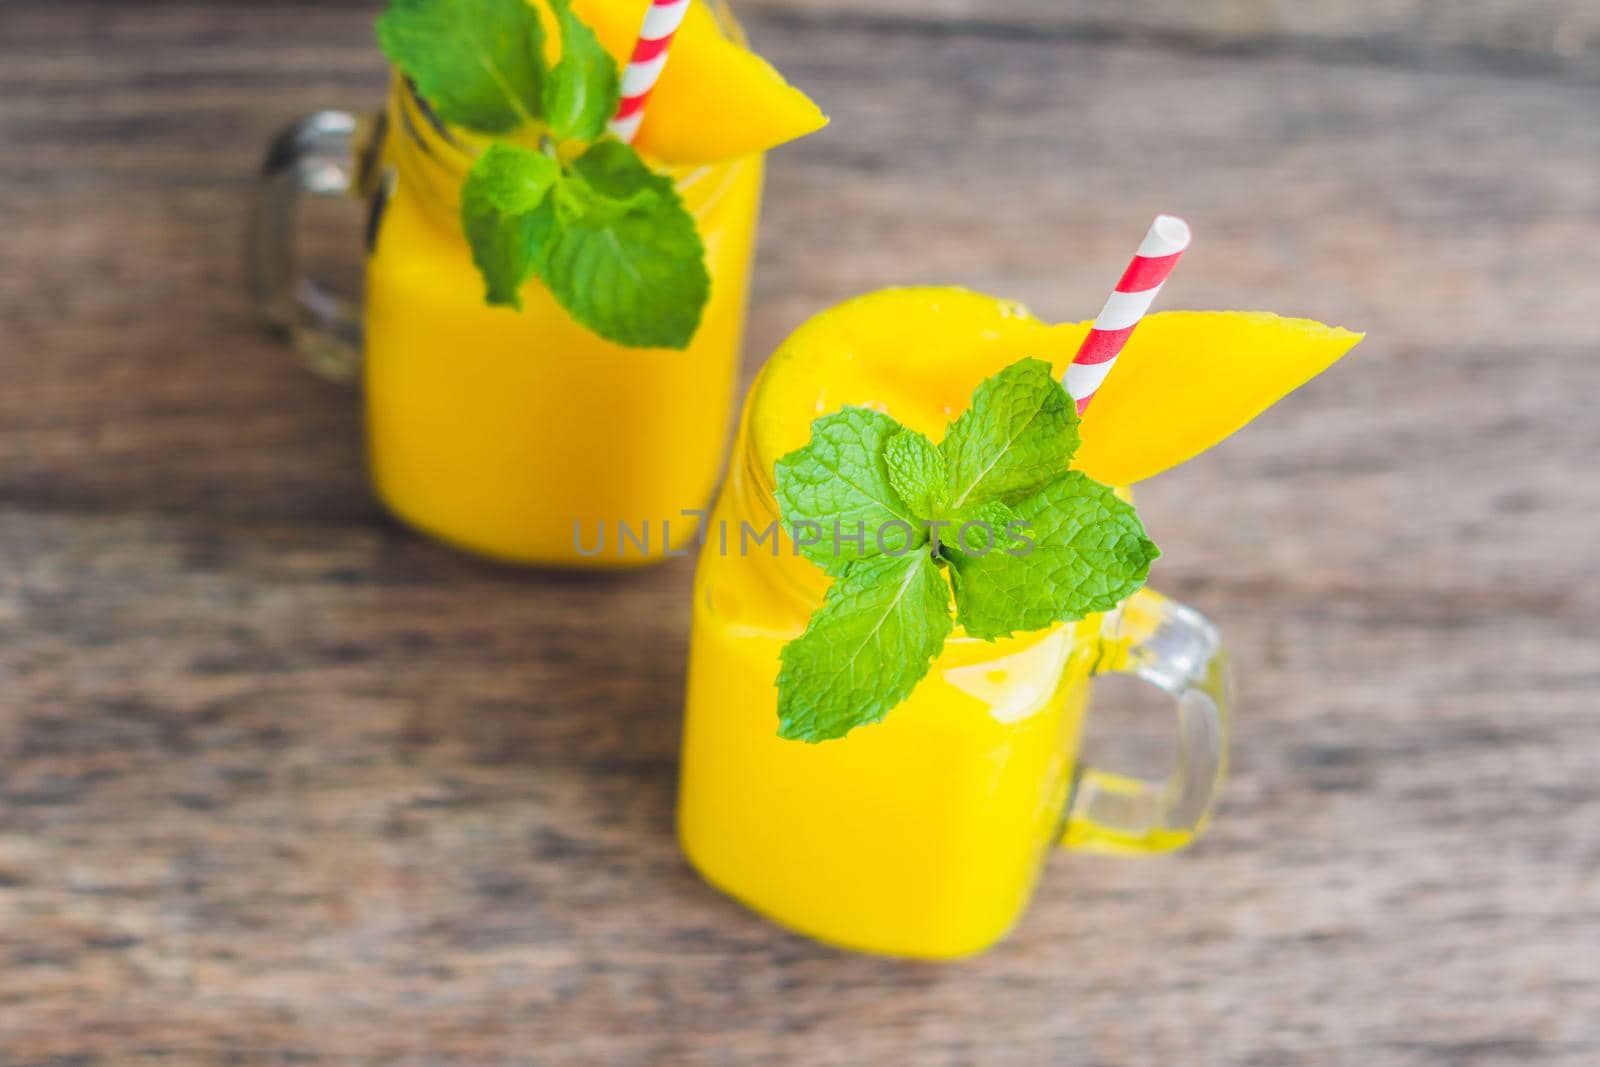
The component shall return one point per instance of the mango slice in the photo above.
(1190, 379)
(716, 100)
(1186, 381)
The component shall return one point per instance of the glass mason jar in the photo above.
(519, 435)
(922, 835)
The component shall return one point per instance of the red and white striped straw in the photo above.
(661, 21)
(1163, 245)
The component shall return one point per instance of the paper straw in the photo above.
(1163, 245)
(661, 21)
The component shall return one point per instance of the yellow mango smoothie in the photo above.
(923, 835)
(521, 432)
(497, 430)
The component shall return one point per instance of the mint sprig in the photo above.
(1026, 542)
(609, 237)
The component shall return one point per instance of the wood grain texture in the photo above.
(1512, 35)
(282, 783)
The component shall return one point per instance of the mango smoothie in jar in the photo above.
(921, 831)
(554, 301)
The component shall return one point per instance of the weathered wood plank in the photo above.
(280, 782)
(335, 792)
(1544, 35)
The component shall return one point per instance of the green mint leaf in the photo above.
(478, 63)
(577, 200)
(836, 493)
(916, 471)
(979, 529)
(1018, 434)
(625, 259)
(1088, 553)
(865, 649)
(583, 89)
(506, 217)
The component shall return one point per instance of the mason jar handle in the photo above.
(1177, 650)
(324, 154)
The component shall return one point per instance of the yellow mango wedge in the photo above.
(716, 100)
(1190, 379)
(1186, 381)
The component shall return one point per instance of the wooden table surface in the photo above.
(284, 783)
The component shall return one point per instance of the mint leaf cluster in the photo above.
(1025, 543)
(609, 237)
